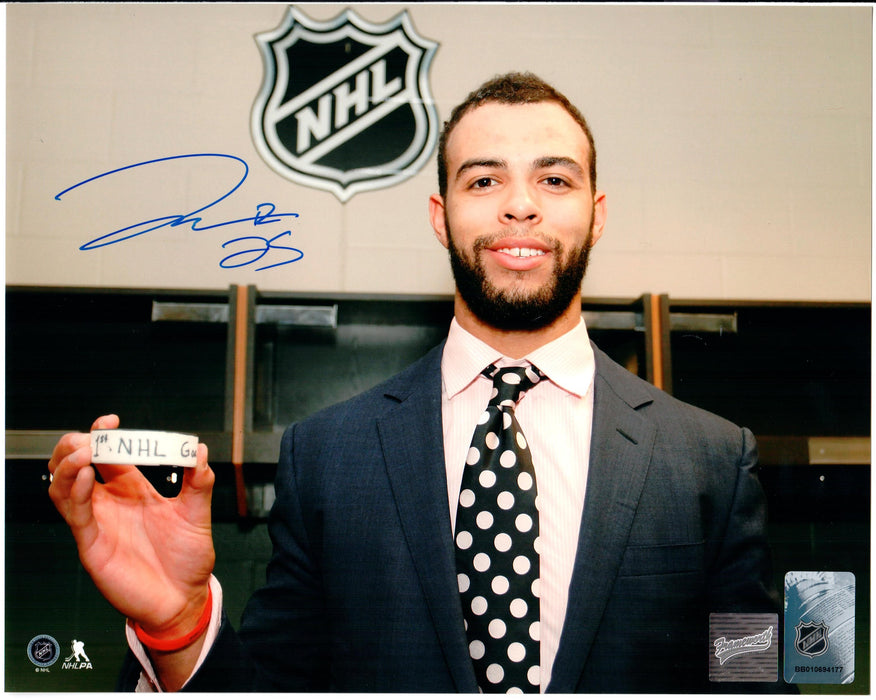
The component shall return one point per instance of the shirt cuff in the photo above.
(148, 682)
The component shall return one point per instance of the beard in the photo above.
(515, 308)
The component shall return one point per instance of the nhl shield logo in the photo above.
(345, 105)
(811, 638)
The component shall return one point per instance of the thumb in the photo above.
(80, 514)
(197, 488)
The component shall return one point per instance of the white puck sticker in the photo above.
(144, 448)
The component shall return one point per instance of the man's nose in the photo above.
(520, 204)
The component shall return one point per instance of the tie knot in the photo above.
(510, 383)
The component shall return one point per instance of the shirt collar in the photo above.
(567, 361)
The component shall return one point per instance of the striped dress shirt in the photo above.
(556, 416)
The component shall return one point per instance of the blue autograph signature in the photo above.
(259, 246)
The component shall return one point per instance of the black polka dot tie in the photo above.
(496, 542)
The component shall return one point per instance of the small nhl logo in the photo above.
(43, 650)
(811, 638)
(345, 105)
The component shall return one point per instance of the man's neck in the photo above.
(517, 344)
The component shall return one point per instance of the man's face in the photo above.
(519, 217)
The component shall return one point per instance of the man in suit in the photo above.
(649, 517)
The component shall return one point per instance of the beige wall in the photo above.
(734, 145)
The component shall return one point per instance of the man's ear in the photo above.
(600, 212)
(437, 218)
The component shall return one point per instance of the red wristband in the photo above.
(179, 642)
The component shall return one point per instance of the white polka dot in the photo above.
(476, 649)
(534, 631)
(492, 440)
(533, 675)
(521, 441)
(537, 545)
(521, 564)
(485, 417)
(523, 523)
(502, 542)
(474, 454)
(538, 502)
(487, 478)
(497, 629)
(481, 562)
(463, 582)
(506, 420)
(524, 481)
(505, 500)
(511, 378)
(508, 459)
(500, 585)
(466, 498)
(495, 673)
(516, 652)
(531, 374)
(513, 691)
(485, 520)
(463, 539)
(518, 607)
(479, 605)
(536, 588)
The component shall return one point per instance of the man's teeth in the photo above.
(521, 252)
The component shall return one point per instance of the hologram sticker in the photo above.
(819, 627)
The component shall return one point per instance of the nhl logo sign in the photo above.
(345, 105)
(811, 638)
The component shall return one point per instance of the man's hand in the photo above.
(150, 556)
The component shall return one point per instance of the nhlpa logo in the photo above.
(811, 638)
(345, 105)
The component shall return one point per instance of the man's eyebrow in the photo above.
(562, 161)
(481, 163)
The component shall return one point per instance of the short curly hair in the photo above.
(511, 88)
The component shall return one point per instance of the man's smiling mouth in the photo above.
(521, 252)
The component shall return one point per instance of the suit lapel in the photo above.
(620, 453)
(413, 448)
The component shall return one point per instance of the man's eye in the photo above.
(555, 181)
(483, 182)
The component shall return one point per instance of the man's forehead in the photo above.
(493, 130)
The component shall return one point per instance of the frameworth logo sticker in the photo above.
(743, 647)
(726, 649)
(345, 105)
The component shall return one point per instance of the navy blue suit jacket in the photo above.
(361, 592)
